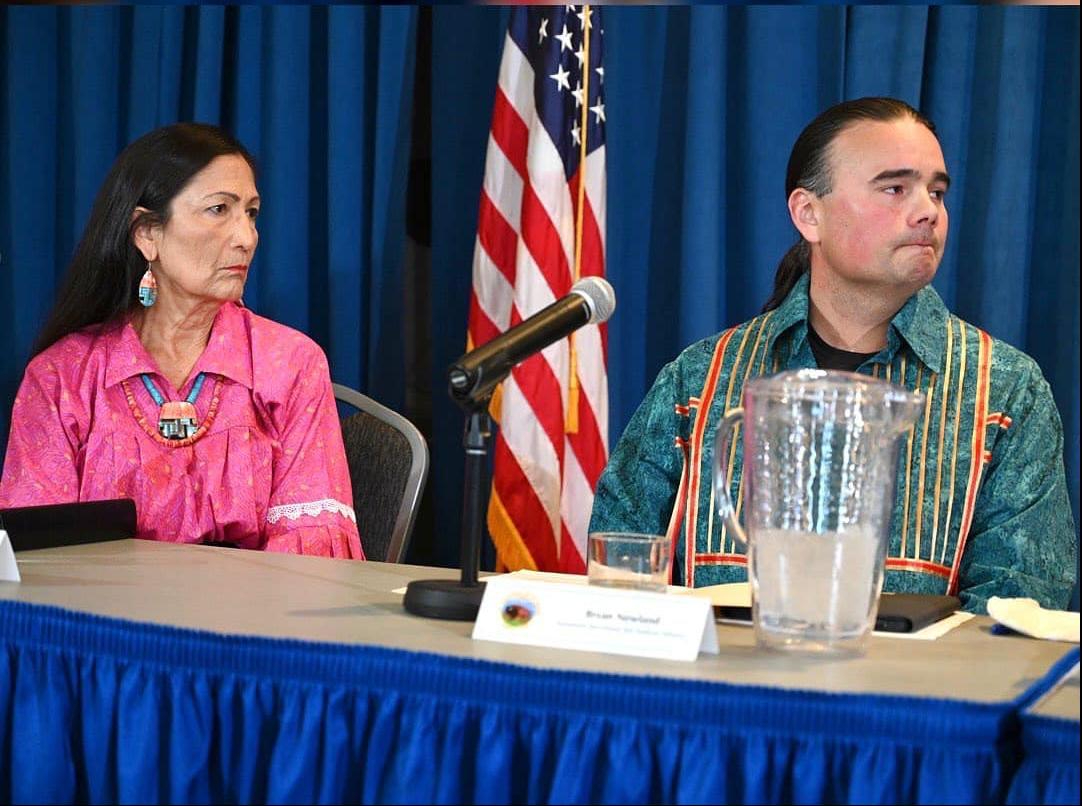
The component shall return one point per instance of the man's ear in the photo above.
(145, 233)
(804, 210)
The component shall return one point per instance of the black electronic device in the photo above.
(898, 612)
(53, 525)
(909, 612)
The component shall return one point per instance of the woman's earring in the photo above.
(148, 288)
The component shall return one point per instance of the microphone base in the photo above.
(444, 599)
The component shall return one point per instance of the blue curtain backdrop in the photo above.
(321, 96)
(703, 105)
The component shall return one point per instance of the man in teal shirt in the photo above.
(982, 507)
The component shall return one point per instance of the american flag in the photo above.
(540, 229)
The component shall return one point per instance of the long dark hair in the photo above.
(809, 168)
(102, 281)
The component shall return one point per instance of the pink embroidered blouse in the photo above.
(268, 473)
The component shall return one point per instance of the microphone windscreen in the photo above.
(599, 296)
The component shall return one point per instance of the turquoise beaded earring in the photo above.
(148, 288)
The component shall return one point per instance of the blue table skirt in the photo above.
(105, 710)
(1049, 772)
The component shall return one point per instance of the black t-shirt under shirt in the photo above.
(828, 357)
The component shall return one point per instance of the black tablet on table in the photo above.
(898, 612)
(53, 525)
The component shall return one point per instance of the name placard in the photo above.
(9, 569)
(517, 610)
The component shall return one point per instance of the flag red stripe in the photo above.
(571, 561)
(510, 132)
(544, 244)
(519, 498)
(593, 253)
(540, 386)
(593, 258)
(593, 263)
(481, 327)
(587, 443)
(497, 237)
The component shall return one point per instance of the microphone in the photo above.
(474, 375)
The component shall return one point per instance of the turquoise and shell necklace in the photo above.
(177, 419)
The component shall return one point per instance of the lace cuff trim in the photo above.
(310, 508)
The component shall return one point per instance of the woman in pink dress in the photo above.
(151, 381)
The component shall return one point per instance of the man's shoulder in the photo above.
(695, 361)
(703, 351)
(1009, 365)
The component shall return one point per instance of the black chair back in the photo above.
(388, 466)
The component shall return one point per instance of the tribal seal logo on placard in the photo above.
(518, 611)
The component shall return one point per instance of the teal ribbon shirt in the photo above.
(981, 505)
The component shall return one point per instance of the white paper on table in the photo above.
(9, 569)
(934, 630)
(572, 615)
(1026, 616)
